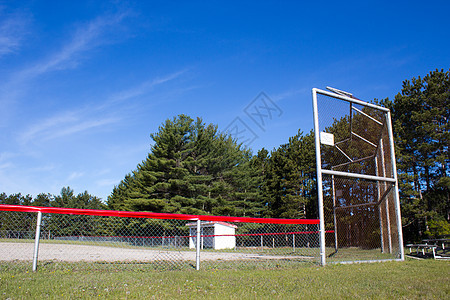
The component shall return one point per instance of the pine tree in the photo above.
(193, 169)
(421, 115)
(291, 178)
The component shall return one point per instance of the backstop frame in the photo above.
(383, 179)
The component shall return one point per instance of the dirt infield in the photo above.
(91, 253)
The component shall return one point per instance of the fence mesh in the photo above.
(361, 218)
(91, 241)
(358, 208)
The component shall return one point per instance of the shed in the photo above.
(215, 235)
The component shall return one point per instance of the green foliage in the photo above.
(67, 225)
(438, 228)
(289, 178)
(15, 199)
(192, 169)
(23, 223)
(421, 115)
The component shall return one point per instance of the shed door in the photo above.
(208, 240)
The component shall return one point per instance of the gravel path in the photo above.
(73, 253)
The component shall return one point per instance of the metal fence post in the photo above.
(319, 179)
(36, 240)
(293, 242)
(396, 192)
(197, 256)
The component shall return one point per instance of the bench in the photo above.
(442, 242)
(423, 248)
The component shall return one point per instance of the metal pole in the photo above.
(293, 242)
(197, 256)
(355, 175)
(396, 193)
(386, 204)
(351, 100)
(334, 214)
(380, 211)
(319, 180)
(307, 237)
(36, 240)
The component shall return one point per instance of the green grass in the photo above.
(353, 253)
(412, 279)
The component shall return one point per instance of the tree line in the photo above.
(421, 114)
(193, 168)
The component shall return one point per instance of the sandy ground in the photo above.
(73, 253)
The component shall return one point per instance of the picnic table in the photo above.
(434, 245)
(423, 248)
(442, 242)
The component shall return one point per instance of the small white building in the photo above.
(215, 235)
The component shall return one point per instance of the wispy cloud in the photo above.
(144, 87)
(5, 156)
(59, 127)
(86, 37)
(13, 28)
(80, 127)
(75, 175)
(6, 165)
(83, 119)
(48, 125)
(289, 93)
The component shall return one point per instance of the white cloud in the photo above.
(144, 87)
(59, 126)
(79, 127)
(12, 30)
(75, 175)
(44, 168)
(289, 93)
(86, 37)
(80, 120)
(6, 165)
(4, 156)
(48, 125)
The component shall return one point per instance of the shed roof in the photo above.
(211, 223)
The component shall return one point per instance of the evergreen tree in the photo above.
(192, 168)
(421, 115)
(71, 225)
(290, 178)
(43, 199)
(13, 224)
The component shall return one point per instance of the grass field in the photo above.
(412, 279)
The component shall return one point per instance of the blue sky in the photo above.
(83, 84)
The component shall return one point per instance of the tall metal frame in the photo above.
(380, 179)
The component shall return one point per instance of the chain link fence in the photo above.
(356, 164)
(362, 221)
(153, 241)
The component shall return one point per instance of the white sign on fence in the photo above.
(327, 138)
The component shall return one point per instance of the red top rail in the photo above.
(150, 215)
